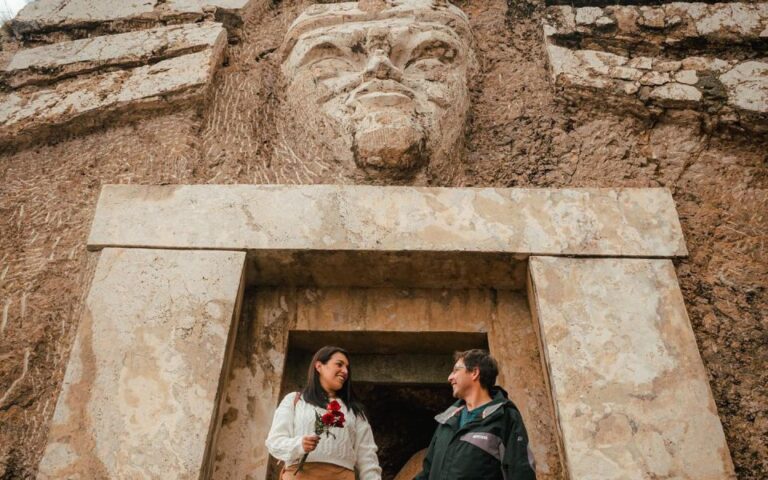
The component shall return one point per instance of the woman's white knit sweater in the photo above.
(353, 447)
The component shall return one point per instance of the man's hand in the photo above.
(309, 442)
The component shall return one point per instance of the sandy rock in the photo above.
(43, 16)
(88, 100)
(652, 17)
(676, 92)
(687, 77)
(626, 73)
(747, 86)
(53, 62)
(659, 27)
(588, 15)
(263, 217)
(643, 63)
(667, 65)
(655, 78)
(705, 64)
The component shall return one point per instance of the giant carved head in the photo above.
(386, 80)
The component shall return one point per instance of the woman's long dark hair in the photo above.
(314, 393)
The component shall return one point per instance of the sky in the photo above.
(9, 8)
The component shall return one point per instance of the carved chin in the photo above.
(389, 141)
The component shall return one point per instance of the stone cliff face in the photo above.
(595, 95)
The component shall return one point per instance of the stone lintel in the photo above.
(594, 222)
(141, 392)
(630, 391)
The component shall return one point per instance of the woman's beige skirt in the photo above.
(318, 471)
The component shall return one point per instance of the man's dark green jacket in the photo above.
(492, 447)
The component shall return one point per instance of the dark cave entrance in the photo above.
(402, 418)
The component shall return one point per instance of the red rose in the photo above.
(334, 406)
(328, 419)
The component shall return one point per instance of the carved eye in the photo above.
(432, 54)
(329, 67)
(327, 60)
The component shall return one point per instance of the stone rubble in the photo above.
(33, 112)
(49, 20)
(632, 56)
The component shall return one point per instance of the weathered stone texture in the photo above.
(77, 104)
(142, 386)
(393, 105)
(631, 394)
(650, 30)
(624, 222)
(707, 58)
(51, 63)
(644, 85)
(38, 19)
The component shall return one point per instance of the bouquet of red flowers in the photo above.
(333, 417)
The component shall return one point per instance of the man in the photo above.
(482, 435)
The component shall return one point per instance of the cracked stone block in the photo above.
(747, 87)
(734, 92)
(30, 114)
(652, 30)
(630, 392)
(143, 384)
(51, 63)
(40, 18)
(676, 94)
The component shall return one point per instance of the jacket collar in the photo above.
(498, 400)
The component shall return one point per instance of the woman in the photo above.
(293, 426)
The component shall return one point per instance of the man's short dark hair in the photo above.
(483, 361)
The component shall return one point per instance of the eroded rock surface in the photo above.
(708, 58)
(34, 112)
(651, 30)
(51, 63)
(50, 20)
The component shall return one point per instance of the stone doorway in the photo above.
(402, 341)
(577, 337)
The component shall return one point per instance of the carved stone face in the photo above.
(392, 80)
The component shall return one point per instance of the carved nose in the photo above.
(379, 66)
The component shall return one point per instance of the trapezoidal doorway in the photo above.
(401, 341)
